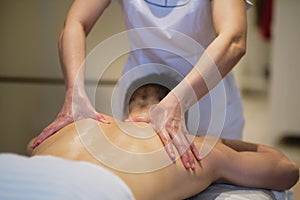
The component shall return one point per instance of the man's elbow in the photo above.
(294, 174)
(290, 177)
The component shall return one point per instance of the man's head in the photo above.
(143, 98)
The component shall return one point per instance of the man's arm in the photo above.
(259, 166)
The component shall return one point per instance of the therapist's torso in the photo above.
(174, 34)
(176, 26)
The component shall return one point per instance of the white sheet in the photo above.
(231, 192)
(52, 178)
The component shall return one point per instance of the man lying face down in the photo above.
(125, 147)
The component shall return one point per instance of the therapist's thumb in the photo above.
(101, 118)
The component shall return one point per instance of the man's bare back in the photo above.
(228, 162)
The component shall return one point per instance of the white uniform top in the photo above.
(166, 54)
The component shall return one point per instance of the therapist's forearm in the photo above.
(80, 20)
(72, 54)
(230, 23)
(219, 59)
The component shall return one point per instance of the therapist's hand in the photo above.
(167, 119)
(82, 108)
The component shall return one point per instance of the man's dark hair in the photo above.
(147, 95)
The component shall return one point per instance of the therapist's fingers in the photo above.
(59, 123)
(138, 119)
(189, 138)
(101, 118)
(165, 138)
(193, 148)
(183, 149)
(55, 126)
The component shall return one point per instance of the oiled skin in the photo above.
(158, 184)
(223, 164)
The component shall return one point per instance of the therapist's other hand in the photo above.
(82, 108)
(168, 121)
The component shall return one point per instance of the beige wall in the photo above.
(250, 70)
(30, 31)
(28, 38)
(285, 91)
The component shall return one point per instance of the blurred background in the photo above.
(32, 87)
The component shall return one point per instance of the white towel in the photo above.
(52, 178)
